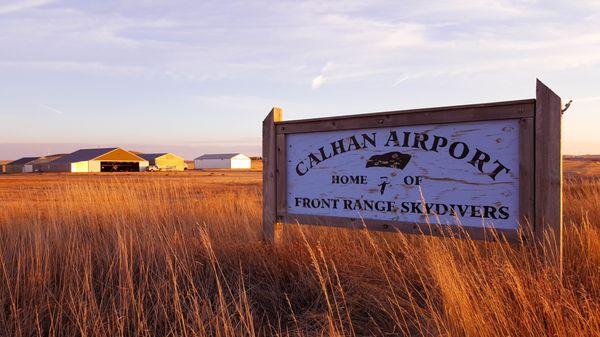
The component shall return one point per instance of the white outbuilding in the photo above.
(223, 161)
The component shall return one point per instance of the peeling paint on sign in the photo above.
(458, 173)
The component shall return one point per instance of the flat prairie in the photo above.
(180, 254)
(584, 167)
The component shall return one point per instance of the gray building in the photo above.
(20, 165)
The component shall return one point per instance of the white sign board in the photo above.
(455, 173)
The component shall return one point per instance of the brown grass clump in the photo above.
(179, 255)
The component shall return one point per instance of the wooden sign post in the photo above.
(488, 170)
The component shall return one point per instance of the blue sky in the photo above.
(199, 76)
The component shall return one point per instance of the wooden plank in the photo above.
(281, 175)
(526, 176)
(453, 114)
(548, 175)
(433, 109)
(271, 228)
(476, 233)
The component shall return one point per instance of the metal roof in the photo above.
(83, 155)
(218, 156)
(22, 161)
(47, 159)
(151, 156)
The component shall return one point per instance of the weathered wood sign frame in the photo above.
(540, 167)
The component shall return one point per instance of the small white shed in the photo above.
(223, 161)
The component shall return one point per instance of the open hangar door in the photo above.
(118, 166)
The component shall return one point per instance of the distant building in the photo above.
(164, 161)
(112, 159)
(43, 164)
(20, 165)
(223, 161)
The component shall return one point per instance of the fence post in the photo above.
(271, 228)
(548, 228)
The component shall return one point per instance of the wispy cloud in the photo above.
(223, 64)
(318, 81)
(74, 66)
(47, 107)
(22, 5)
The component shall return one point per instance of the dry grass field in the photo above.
(179, 254)
(582, 167)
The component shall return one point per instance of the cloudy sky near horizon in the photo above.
(199, 76)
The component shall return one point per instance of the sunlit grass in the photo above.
(148, 255)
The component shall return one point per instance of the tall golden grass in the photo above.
(155, 255)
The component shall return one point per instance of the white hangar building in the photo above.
(223, 161)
